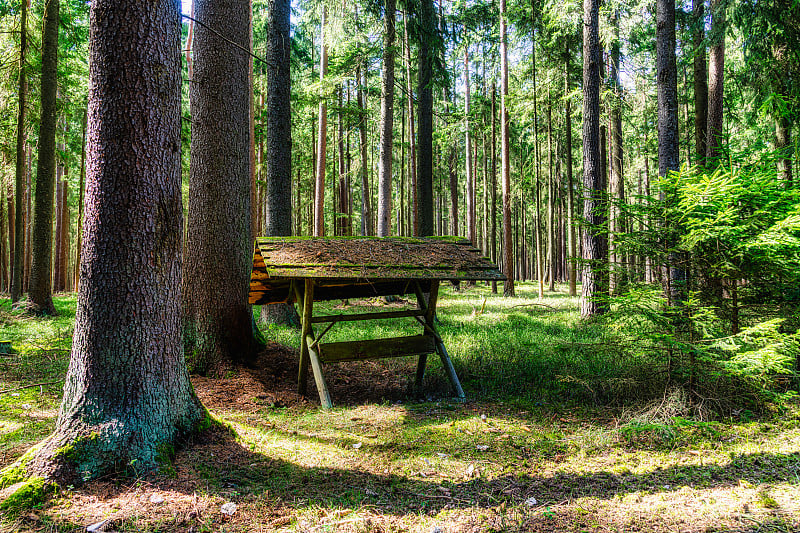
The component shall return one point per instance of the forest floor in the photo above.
(538, 445)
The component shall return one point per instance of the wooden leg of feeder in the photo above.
(306, 304)
(448, 368)
(421, 362)
(440, 349)
(319, 377)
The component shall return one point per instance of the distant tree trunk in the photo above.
(322, 134)
(427, 19)
(387, 123)
(63, 249)
(11, 234)
(668, 155)
(79, 225)
(470, 176)
(505, 166)
(494, 181)
(594, 209)
(278, 182)
(412, 167)
(40, 294)
(366, 210)
(783, 135)
(127, 394)
(716, 82)
(617, 189)
(218, 324)
(19, 180)
(551, 235)
(570, 186)
(700, 81)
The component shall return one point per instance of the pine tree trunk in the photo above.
(18, 249)
(551, 258)
(668, 156)
(322, 134)
(427, 18)
(127, 395)
(570, 186)
(79, 224)
(218, 323)
(505, 165)
(617, 189)
(366, 210)
(716, 78)
(40, 293)
(470, 176)
(278, 182)
(783, 143)
(594, 287)
(700, 81)
(387, 123)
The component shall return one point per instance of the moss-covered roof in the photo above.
(376, 261)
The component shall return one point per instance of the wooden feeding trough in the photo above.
(303, 270)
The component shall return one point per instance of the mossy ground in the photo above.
(542, 444)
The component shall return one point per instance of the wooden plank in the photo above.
(332, 352)
(366, 316)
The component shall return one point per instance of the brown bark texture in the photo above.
(425, 117)
(595, 250)
(127, 393)
(700, 80)
(41, 293)
(322, 139)
(19, 180)
(387, 123)
(716, 79)
(505, 158)
(218, 326)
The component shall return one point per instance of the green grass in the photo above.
(558, 410)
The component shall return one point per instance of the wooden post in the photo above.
(305, 300)
(440, 349)
(423, 358)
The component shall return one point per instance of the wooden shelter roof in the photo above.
(365, 260)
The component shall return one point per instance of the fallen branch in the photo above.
(30, 386)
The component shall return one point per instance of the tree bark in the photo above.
(570, 186)
(617, 189)
(593, 292)
(505, 161)
(700, 81)
(412, 157)
(366, 209)
(40, 294)
(20, 169)
(319, 197)
(387, 123)
(668, 155)
(783, 135)
(278, 183)
(79, 224)
(127, 396)
(218, 324)
(716, 78)
(470, 176)
(427, 37)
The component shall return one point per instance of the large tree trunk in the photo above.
(716, 78)
(20, 169)
(505, 157)
(427, 36)
(593, 292)
(218, 325)
(668, 147)
(127, 395)
(387, 123)
(617, 189)
(700, 81)
(278, 205)
(551, 191)
(412, 140)
(319, 196)
(494, 181)
(40, 294)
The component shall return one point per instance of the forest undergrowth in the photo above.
(608, 425)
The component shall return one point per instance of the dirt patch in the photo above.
(272, 381)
